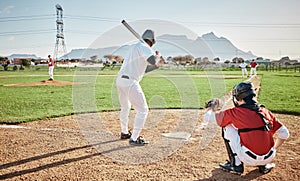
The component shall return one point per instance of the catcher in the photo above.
(247, 130)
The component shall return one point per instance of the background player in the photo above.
(51, 67)
(243, 66)
(253, 66)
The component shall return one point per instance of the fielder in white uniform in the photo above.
(141, 59)
(243, 66)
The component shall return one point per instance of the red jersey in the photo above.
(50, 62)
(258, 141)
(253, 64)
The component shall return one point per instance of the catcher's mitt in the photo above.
(213, 104)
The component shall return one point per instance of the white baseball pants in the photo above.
(244, 71)
(51, 68)
(253, 70)
(131, 93)
(231, 134)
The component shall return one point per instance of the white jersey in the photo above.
(243, 65)
(136, 63)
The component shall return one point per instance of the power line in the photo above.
(92, 18)
(27, 32)
(107, 19)
(81, 32)
(26, 18)
(257, 25)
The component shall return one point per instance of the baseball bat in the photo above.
(132, 30)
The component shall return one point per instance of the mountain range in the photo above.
(208, 45)
(12, 56)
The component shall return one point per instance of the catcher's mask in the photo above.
(242, 90)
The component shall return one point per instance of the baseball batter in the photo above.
(141, 59)
(247, 130)
(51, 67)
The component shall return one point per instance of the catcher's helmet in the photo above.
(242, 90)
(149, 35)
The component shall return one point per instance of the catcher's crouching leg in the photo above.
(230, 153)
(231, 164)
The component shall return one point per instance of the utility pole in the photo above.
(60, 49)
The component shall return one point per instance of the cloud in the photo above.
(11, 38)
(6, 10)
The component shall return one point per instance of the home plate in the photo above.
(178, 135)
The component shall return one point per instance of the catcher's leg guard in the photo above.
(229, 150)
(231, 166)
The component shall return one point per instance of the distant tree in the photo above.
(227, 61)
(114, 58)
(183, 60)
(217, 59)
(205, 59)
(240, 60)
(94, 58)
(5, 62)
(285, 58)
(3, 59)
(25, 63)
(74, 60)
(235, 60)
(177, 59)
(169, 59)
(189, 59)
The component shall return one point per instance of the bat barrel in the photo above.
(131, 30)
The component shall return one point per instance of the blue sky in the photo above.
(268, 28)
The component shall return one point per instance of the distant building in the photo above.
(260, 61)
(18, 61)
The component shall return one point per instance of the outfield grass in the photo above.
(280, 92)
(163, 89)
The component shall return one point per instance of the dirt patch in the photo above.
(46, 82)
(57, 149)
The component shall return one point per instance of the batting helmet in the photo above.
(149, 35)
(242, 90)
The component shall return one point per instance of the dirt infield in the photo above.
(46, 82)
(56, 149)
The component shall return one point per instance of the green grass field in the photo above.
(280, 92)
(163, 89)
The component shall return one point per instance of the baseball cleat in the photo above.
(138, 142)
(266, 168)
(232, 169)
(125, 136)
